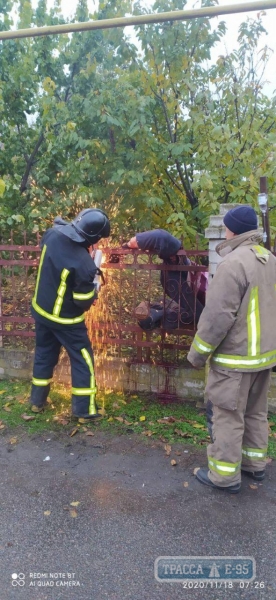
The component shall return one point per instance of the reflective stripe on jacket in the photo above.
(65, 280)
(238, 324)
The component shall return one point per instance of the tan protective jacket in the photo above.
(238, 324)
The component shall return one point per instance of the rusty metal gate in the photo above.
(132, 277)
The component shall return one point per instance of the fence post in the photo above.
(215, 233)
(263, 204)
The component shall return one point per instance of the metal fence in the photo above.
(132, 277)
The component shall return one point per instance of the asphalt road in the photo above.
(130, 506)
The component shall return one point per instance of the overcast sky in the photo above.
(232, 22)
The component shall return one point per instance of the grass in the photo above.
(135, 413)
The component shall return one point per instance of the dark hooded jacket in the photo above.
(174, 283)
(65, 286)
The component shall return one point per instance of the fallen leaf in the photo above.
(7, 407)
(47, 513)
(115, 405)
(13, 440)
(253, 486)
(173, 462)
(142, 418)
(198, 426)
(110, 419)
(63, 422)
(90, 433)
(2, 426)
(177, 453)
(74, 503)
(84, 429)
(20, 400)
(2, 391)
(168, 449)
(148, 432)
(27, 417)
(166, 420)
(74, 431)
(184, 434)
(102, 411)
(196, 470)
(268, 460)
(127, 422)
(120, 419)
(186, 484)
(73, 513)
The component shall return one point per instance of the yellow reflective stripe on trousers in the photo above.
(42, 382)
(253, 323)
(39, 270)
(61, 320)
(83, 391)
(201, 346)
(245, 362)
(87, 296)
(254, 452)
(88, 360)
(223, 468)
(61, 291)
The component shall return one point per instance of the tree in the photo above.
(157, 133)
(213, 128)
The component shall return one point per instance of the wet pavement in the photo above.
(130, 505)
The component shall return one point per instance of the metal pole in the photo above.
(180, 15)
(265, 214)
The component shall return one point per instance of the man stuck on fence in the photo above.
(237, 330)
(184, 290)
(65, 289)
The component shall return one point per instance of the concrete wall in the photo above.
(116, 374)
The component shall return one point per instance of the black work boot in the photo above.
(89, 418)
(256, 475)
(39, 409)
(202, 476)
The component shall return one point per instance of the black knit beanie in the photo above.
(241, 219)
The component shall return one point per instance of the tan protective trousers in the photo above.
(239, 424)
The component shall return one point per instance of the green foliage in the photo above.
(156, 134)
(123, 414)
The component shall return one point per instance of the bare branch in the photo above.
(30, 163)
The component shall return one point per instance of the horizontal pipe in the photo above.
(180, 15)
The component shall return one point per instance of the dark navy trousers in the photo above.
(49, 341)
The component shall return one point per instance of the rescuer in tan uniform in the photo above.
(237, 330)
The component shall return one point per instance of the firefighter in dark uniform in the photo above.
(64, 290)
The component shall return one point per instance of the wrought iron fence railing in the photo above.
(136, 282)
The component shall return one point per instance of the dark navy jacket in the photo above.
(65, 281)
(174, 283)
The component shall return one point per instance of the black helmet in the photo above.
(90, 225)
